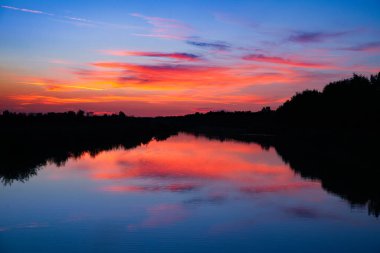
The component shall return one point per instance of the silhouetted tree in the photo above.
(122, 114)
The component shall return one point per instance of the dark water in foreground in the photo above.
(184, 194)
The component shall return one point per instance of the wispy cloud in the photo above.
(53, 85)
(55, 100)
(165, 28)
(284, 61)
(78, 21)
(366, 47)
(151, 99)
(175, 55)
(311, 37)
(92, 23)
(161, 67)
(182, 76)
(26, 10)
(164, 75)
(216, 45)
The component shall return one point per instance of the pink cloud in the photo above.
(165, 28)
(283, 61)
(309, 37)
(179, 76)
(366, 47)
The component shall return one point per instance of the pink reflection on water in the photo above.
(164, 182)
(186, 163)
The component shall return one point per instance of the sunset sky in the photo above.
(150, 58)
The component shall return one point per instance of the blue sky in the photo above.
(178, 57)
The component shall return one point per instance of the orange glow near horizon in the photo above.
(115, 61)
(179, 83)
(171, 85)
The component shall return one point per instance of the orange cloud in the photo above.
(173, 85)
(48, 100)
(118, 82)
(180, 76)
(150, 99)
(53, 86)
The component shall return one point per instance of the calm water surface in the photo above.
(184, 194)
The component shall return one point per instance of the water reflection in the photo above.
(183, 194)
(184, 163)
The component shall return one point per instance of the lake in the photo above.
(181, 194)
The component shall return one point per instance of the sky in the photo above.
(150, 58)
